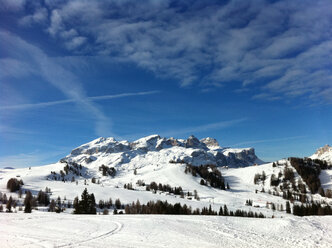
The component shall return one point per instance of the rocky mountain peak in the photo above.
(210, 142)
(323, 153)
(323, 150)
(158, 149)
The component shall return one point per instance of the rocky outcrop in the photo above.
(210, 142)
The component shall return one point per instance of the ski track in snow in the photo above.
(66, 230)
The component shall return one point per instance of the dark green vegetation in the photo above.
(87, 204)
(163, 207)
(209, 173)
(14, 185)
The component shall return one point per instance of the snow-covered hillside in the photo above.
(106, 167)
(323, 153)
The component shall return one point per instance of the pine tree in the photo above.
(76, 205)
(87, 204)
(288, 209)
(92, 204)
(27, 202)
(226, 210)
(221, 211)
(52, 206)
(9, 204)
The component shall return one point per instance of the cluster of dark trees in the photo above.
(153, 186)
(107, 171)
(109, 204)
(260, 178)
(311, 209)
(14, 184)
(274, 180)
(75, 168)
(87, 204)
(309, 170)
(209, 173)
(11, 202)
(288, 176)
(43, 198)
(163, 207)
(128, 186)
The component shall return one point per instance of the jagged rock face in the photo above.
(210, 142)
(323, 153)
(110, 152)
(245, 157)
(193, 142)
(323, 150)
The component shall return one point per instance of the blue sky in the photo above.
(248, 73)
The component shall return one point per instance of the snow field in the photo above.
(41, 229)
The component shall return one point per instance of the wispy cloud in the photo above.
(203, 128)
(91, 98)
(267, 140)
(58, 76)
(279, 49)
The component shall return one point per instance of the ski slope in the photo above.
(41, 229)
(241, 181)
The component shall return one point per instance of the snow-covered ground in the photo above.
(41, 229)
(241, 181)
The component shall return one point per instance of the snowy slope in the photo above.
(161, 160)
(148, 160)
(67, 230)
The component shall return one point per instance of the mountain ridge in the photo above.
(115, 153)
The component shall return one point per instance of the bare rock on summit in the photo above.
(192, 142)
(210, 142)
(323, 153)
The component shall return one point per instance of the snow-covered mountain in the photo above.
(156, 149)
(323, 153)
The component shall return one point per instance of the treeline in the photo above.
(154, 187)
(209, 173)
(311, 209)
(309, 170)
(163, 207)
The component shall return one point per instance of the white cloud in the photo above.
(56, 23)
(40, 16)
(75, 42)
(280, 48)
